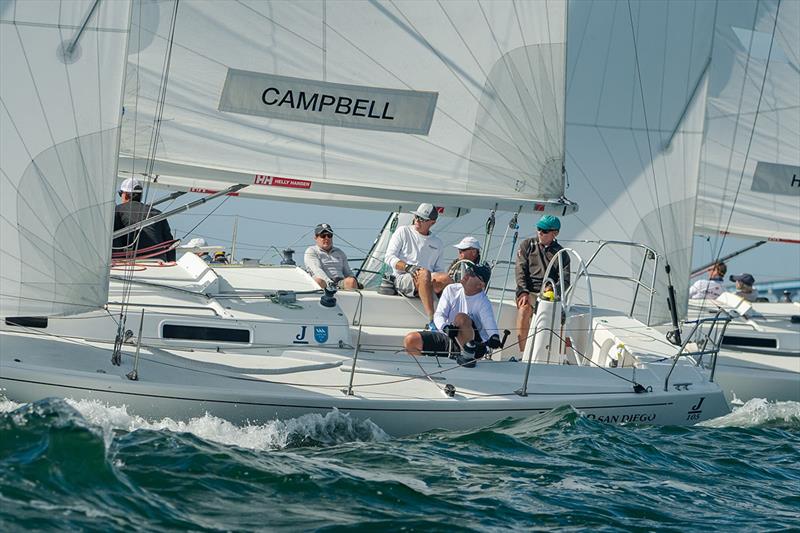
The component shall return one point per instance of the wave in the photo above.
(760, 413)
(331, 428)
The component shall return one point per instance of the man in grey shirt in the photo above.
(326, 263)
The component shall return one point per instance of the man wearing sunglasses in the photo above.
(326, 263)
(415, 254)
(533, 256)
(465, 310)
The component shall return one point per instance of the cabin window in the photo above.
(753, 342)
(27, 321)
(203, 333)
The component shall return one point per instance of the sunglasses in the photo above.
(326, 235)
(545, 231)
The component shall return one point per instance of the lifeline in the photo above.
(341, 105)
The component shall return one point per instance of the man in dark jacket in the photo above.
(533, 256)
(132, 211)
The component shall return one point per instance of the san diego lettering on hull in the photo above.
(341, 105)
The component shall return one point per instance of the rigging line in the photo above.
(753, 130)
(513, 72)
(495, 93)
(647, 127)
(738, 116)
(208, 215)
(127, 286)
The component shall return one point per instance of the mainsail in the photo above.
(353, 103)
(60, 99)
(750, 172)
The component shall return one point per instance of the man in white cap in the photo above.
(132, 211)
(194, 244)
(415, 254)
(469, 249)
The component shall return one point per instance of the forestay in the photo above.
(59, 125)
(357, 103)
(750, 173)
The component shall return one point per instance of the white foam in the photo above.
(6, 405)
(757, 412)
(332, 427)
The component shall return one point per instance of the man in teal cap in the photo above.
(533, 256)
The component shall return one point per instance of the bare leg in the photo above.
(321, 282)
(465, 331)
(425, 289)
(524, 315)
(350, 283)
(413, 343)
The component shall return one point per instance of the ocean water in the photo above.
(67, 465)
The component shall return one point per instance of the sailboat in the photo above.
(750, 186)
(353, 104)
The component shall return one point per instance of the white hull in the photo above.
(286, 367)
(28, 373)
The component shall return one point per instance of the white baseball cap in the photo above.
(197, 242)
(131, 185)
(468, 242)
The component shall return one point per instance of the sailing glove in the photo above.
(494, 342)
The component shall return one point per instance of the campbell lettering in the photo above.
(341, 105)
(322, 102)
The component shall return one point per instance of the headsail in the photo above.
(635, 128)
(61, 91)
(750, 173)
(357, 103)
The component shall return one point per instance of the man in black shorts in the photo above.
(465, 309)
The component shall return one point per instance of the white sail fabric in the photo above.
(636, 105)
(59, 126)
(459, 101)
(750, 173)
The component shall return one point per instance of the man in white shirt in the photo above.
(327, 263)
(415, 254)
(465, 307)
(712, 287)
